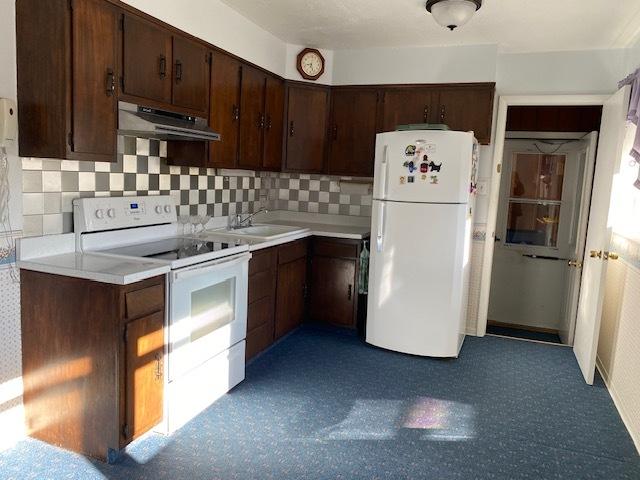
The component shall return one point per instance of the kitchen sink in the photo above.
(262, 232)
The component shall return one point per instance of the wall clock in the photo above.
(310, 64)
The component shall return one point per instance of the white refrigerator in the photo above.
(421, 226)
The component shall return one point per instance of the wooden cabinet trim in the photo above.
(292, 251)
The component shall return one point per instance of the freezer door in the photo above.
(418, 277)
(429, 166)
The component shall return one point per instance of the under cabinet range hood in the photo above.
(146, 122)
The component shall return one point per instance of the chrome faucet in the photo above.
(236, 221)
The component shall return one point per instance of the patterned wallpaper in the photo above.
(49, 186)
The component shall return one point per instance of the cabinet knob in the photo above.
(235, 113)
(269, 122)
(162, 66)
(291, 131)
(349, 292)
(426, 114)
(178, 71)
(110, 82)
(595, 253)
(443, 113)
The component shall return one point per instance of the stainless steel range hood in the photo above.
(146, 122)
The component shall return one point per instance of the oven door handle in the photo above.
(209, 267)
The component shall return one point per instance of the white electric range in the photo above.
(206, 304)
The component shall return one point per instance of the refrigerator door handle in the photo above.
(381, 220)
(385, 171)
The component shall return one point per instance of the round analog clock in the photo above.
(310, 64)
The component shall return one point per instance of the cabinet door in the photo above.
(144, 357)
(352, 137)
(307, 128)
(190, 75)
(147, 60)
(332, 291)
(224, 116)
(467, 108)
(274, 110)
(290, 296)
(252, 118)
(408, 105)
(95, 48)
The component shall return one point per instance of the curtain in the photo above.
(634, 115)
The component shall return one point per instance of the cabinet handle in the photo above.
(261, 122)
(178, 71)
(426, 114)
(163, 66)
(443, 113)
(269, 123)
(235, 113)
(349, 292)
(335, 132)
(158, 372)
(291, 128)
(111, 82)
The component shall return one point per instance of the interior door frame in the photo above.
(504, 103)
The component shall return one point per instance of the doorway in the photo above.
(543, 210)
(598, 236)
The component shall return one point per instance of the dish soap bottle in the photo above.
(363, 277)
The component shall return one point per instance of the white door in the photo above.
(424, 166)
(612, 134)
(570, 311)
(419, 262)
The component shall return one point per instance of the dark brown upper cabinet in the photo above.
(148, 61)
(252, 118)
(306, 127)
(274, 118)
(467, 108)
(164, 70)
(406, 105)
(352, 134)
(191, 75)
(224, 113)
(67, 60)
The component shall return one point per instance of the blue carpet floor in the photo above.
(323, 405)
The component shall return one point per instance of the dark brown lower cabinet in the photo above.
(333, 289)
(92, 361)
(262, 296)
(292, 287)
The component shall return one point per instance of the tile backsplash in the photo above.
(50, 185)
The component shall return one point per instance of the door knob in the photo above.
(611, 256)
(575, 263)
(595, 254)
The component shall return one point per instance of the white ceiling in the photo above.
(513, 25)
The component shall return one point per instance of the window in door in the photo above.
(535, 199)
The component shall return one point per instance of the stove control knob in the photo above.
(167, 209)
(159, 209)
(111, 213)
(99, 214)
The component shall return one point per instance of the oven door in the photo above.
(208, 305)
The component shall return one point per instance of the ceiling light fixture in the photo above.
(453, 13)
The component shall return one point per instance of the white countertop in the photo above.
(97, 267)
(56, 254)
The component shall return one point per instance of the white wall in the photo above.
(415, 65)
(216, 23)
(596, 71)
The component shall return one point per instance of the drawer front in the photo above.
(144, 301)
(260, 313)
(292, 251)
(262, 260)
(259, 339)
(330, 248)
(261, 285)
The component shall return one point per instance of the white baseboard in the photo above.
(635, 436)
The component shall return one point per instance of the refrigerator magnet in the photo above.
(434, 180)
(402, 180)
(434, 167)
(410, 151)
(424, 167)
(411, 179)
(423, 177)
